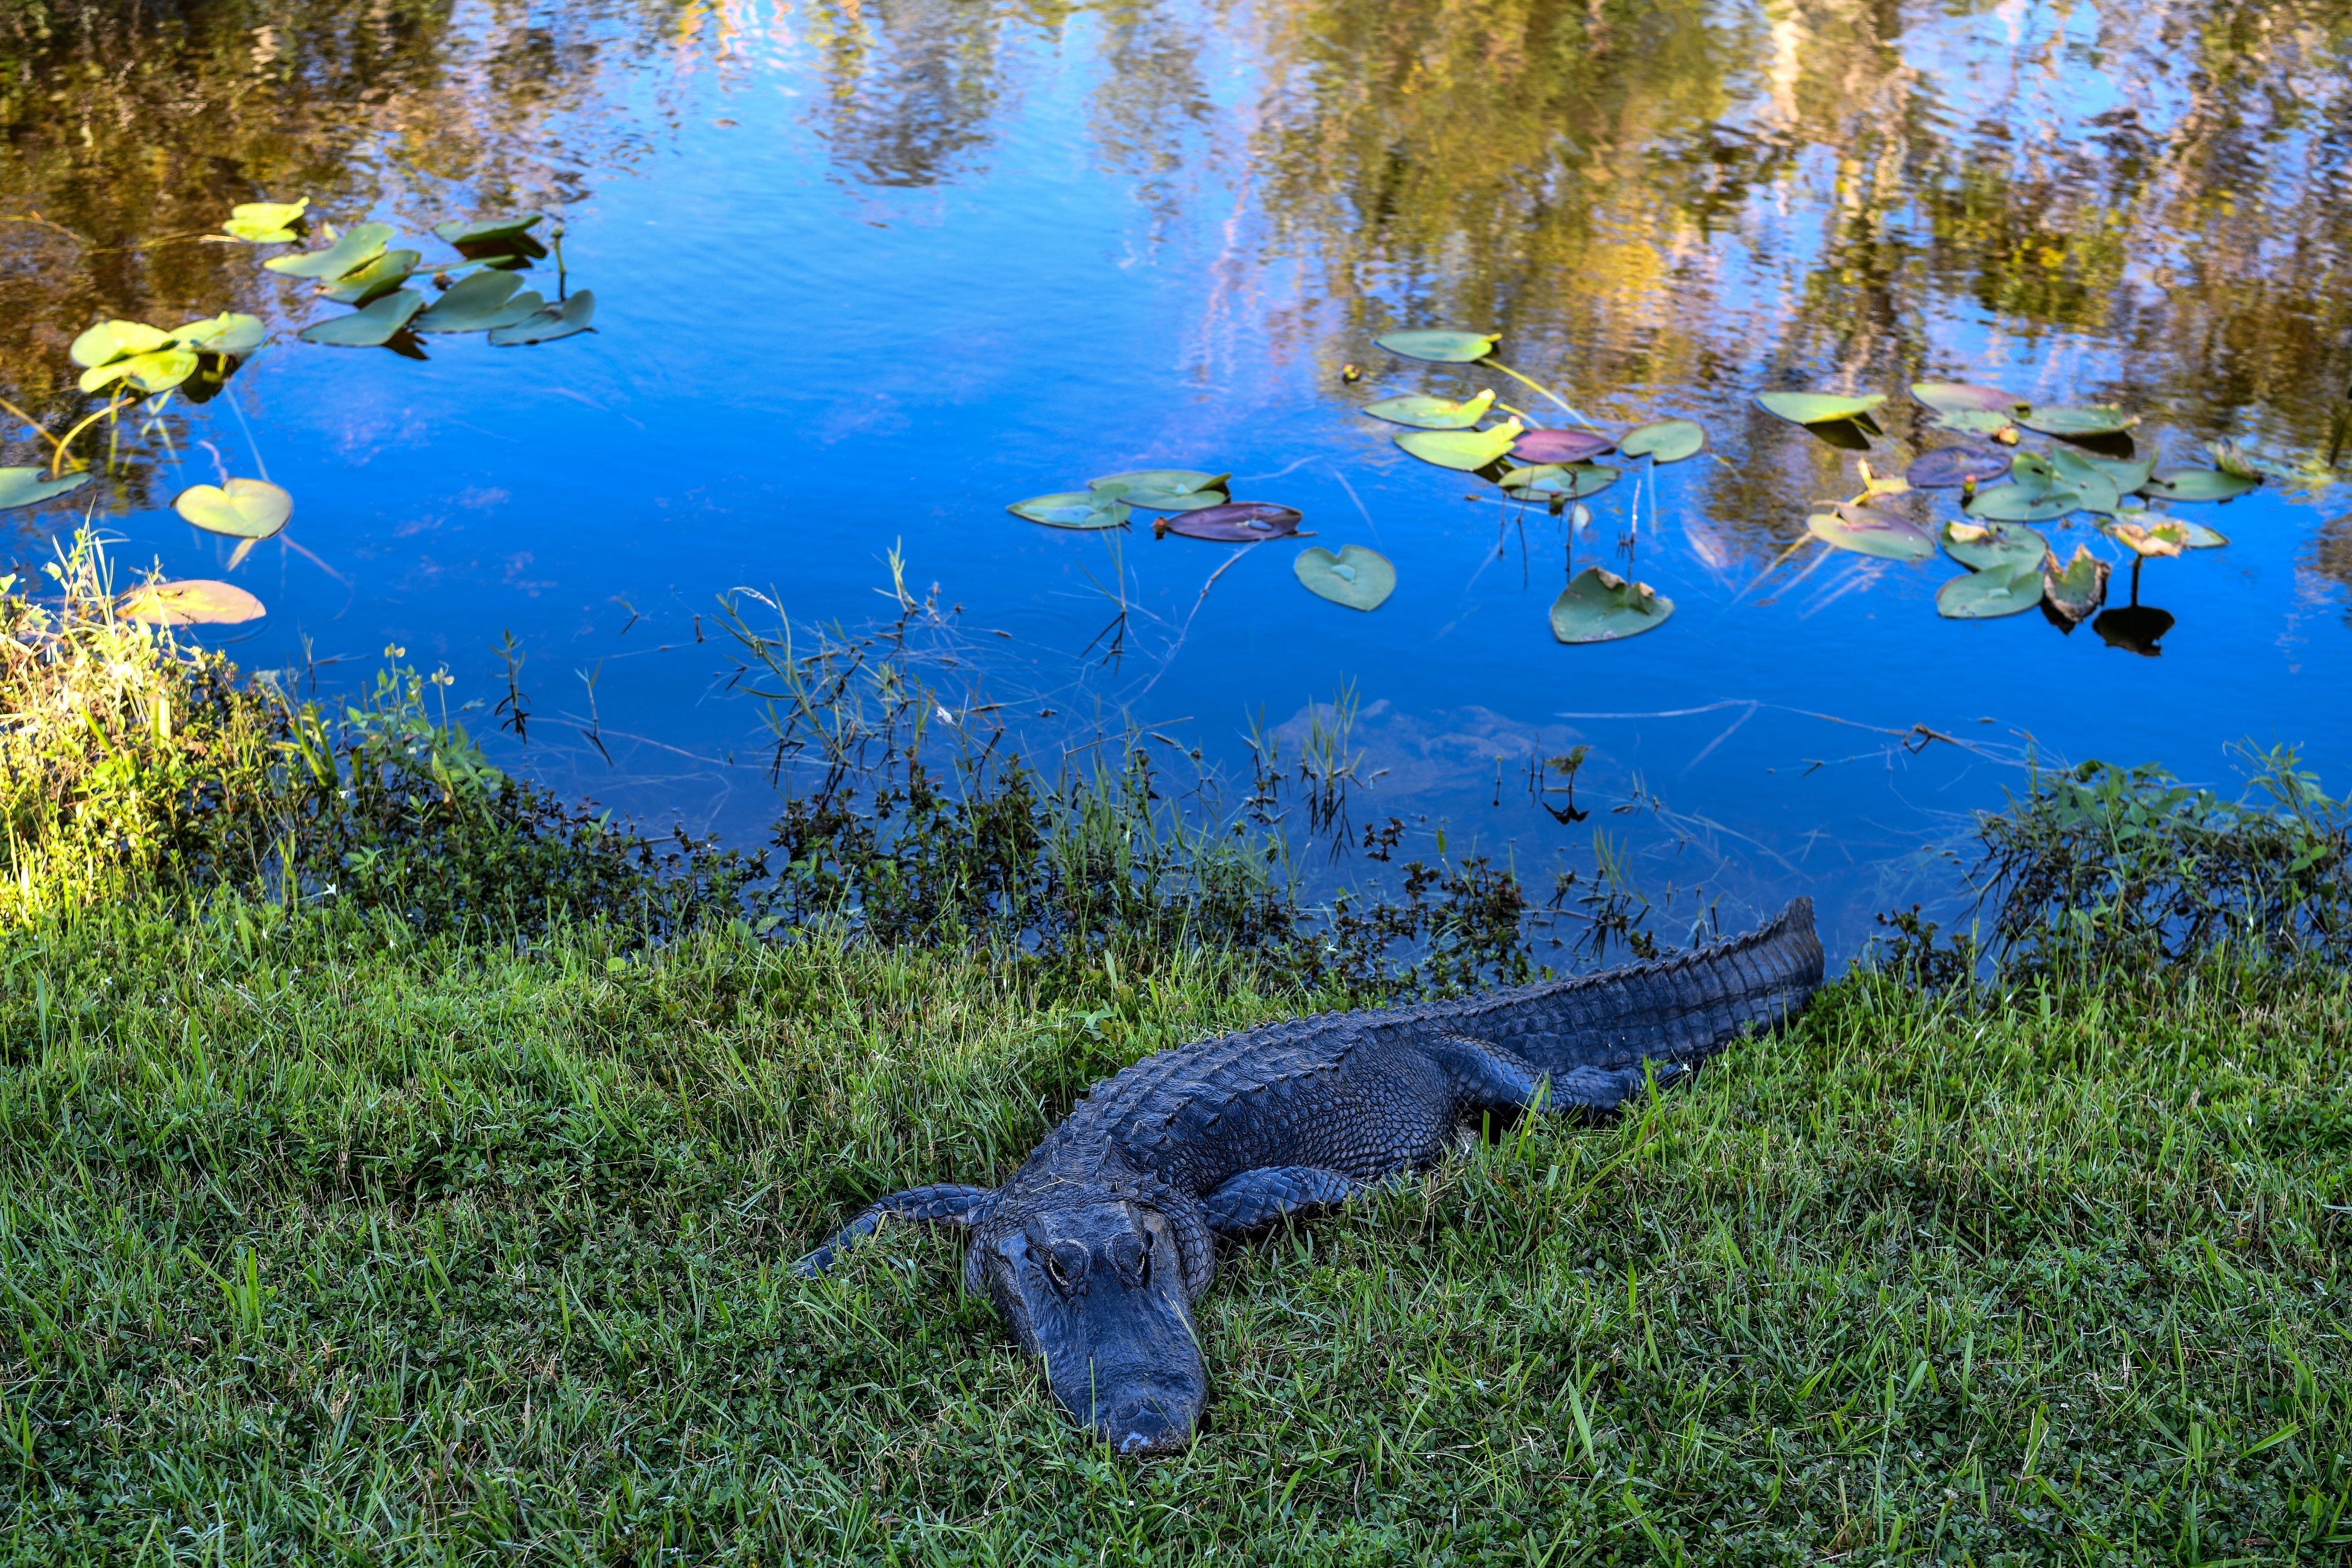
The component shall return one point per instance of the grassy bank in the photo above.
(320, 1241)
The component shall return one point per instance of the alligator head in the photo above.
(1101, 1292)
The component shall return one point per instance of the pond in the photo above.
(867, 273)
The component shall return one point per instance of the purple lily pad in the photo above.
(1948, 467)
(1235, 522)
(1559, 446)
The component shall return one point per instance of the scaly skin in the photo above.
(1095, 1249)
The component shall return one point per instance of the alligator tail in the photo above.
(943, 1205)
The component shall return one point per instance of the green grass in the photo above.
(320, 1243)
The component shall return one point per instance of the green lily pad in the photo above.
(371, 282)
(1960, 397)
(368, 329)
(1359, 578)
(196, 602)
(481, 302)
(488, 231)
(158, 371)
(1664, 440)
(549, 323)
(1817, 407)
(1977, 422)
(1165, 489)
(2126, 474)
(265, 223)
(1073, 509)
(2157, 540)
(357, 248)
(1463, 449)
(1992, 546)
(1868, 532)
(112, 341)
(1440, 348)
(23, 487)
(1424, 411)
(1559, 482)
(230, 334)
(1598, 605)
(2074, 595)
(242, 509)
(2199, 484)
(2069, 423)
(1983, 595)
(2030, 498)
(2094, 485)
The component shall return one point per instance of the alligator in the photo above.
(1094, 1251)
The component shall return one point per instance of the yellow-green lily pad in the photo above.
(359, 245)
(242, 509)
(1817, 407)
(1424, 411)
(1462, 450)
(1440, 348)
(198, 600)
(371, 328)
(265, 223)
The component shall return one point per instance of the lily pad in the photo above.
(359, 245)
(1993, 546)
(2199, 484)
(1977, 422)
(1868, 532)
(1440, 348)
(1073, 509)
(1463, 449)
(1817, 407)
(1359, 578)
(1424, 411)
(111, 341)
(1664, 440)
(549, 323)
(199, 601)
(1165, 489)
(2126, 474)
(371, 282)
(2074, 596)
(230, 334)
(242, 509)
(265, 223)
(2201, 537)
(1559, 446)
(1559, 482)
(1598, 605)
(1960, 397)
(368, 329)
(479, 303)
(1984, 595)
(1948, 467)
(157, 371)
(1234, 522)
(2032, 497)
(2071, 423)
(487, 232)
(23, 487)
(2157, 539)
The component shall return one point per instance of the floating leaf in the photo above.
(368, 329)
(1233, 522)
(1947, 467)
(1993, 546)
(2201, 537)
(1424, 411)
(1166, 489)
(1868, 532)
(2073, 423)
(2157, 539)
(197, 602)
(1559, 482)
(1601, 606)
(1983, 595)
(265, 223)
(371, 282)
(479, 303)
(229, 335)
(23, 487)
(1977, 422)
(552, 322)
(1464, 449)
(1817, 407)
(490, 231)
(2233, 458)
(357, 248)
(112, 341)
(2032, 498)
(2089, 477)
(1960, 397)
(1664, 440)
(1440, 348)
(158, 371)
(242, 509)
(2126, 474)
(1073, 509)
(1559, 446)
(2074, 596)
(2199, 484)
(1359, 578)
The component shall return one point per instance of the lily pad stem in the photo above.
(28, 419)
(66, 441)
(1546, 390)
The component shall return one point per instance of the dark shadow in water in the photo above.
(2135, 628)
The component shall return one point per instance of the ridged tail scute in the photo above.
(1675, 1009)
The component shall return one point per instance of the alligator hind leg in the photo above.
(1259, 1197)
(1603, 1091)
(1490, 1078)
(943, 1204)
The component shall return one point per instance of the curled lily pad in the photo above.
(1463, 449)
(2199, 484)
(160, 371)
(371, 328)
(1948, 467)
(1166, 489)
(1817, 407)
(2154, 539)
(1233, 522)
(1440, 348)
(1073, 509)
(1983, 595)
(111, 341)
(2071, 423)
(490, 231)
(1977, 422)
(242, 509)
(364, 285)
(482, 302)
(1664, 440)
(1960, 397)
(199, 601)
(2074, 596)
(230, 334)
(1359, 578)
(359, 245)
(265, 223)
(1991, 546)
(23, 487)
(1598, 606)
(1559, 446)
(1868, 532)
(1559, 482)
(1424, 411)
(553, 321)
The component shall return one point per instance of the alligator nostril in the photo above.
(1134, 1443)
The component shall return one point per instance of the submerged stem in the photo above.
(1546, 390)
(65, 441)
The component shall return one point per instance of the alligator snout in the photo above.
(1150, 1423)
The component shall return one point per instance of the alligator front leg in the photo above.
(943, 1204)
(1259, 1197)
